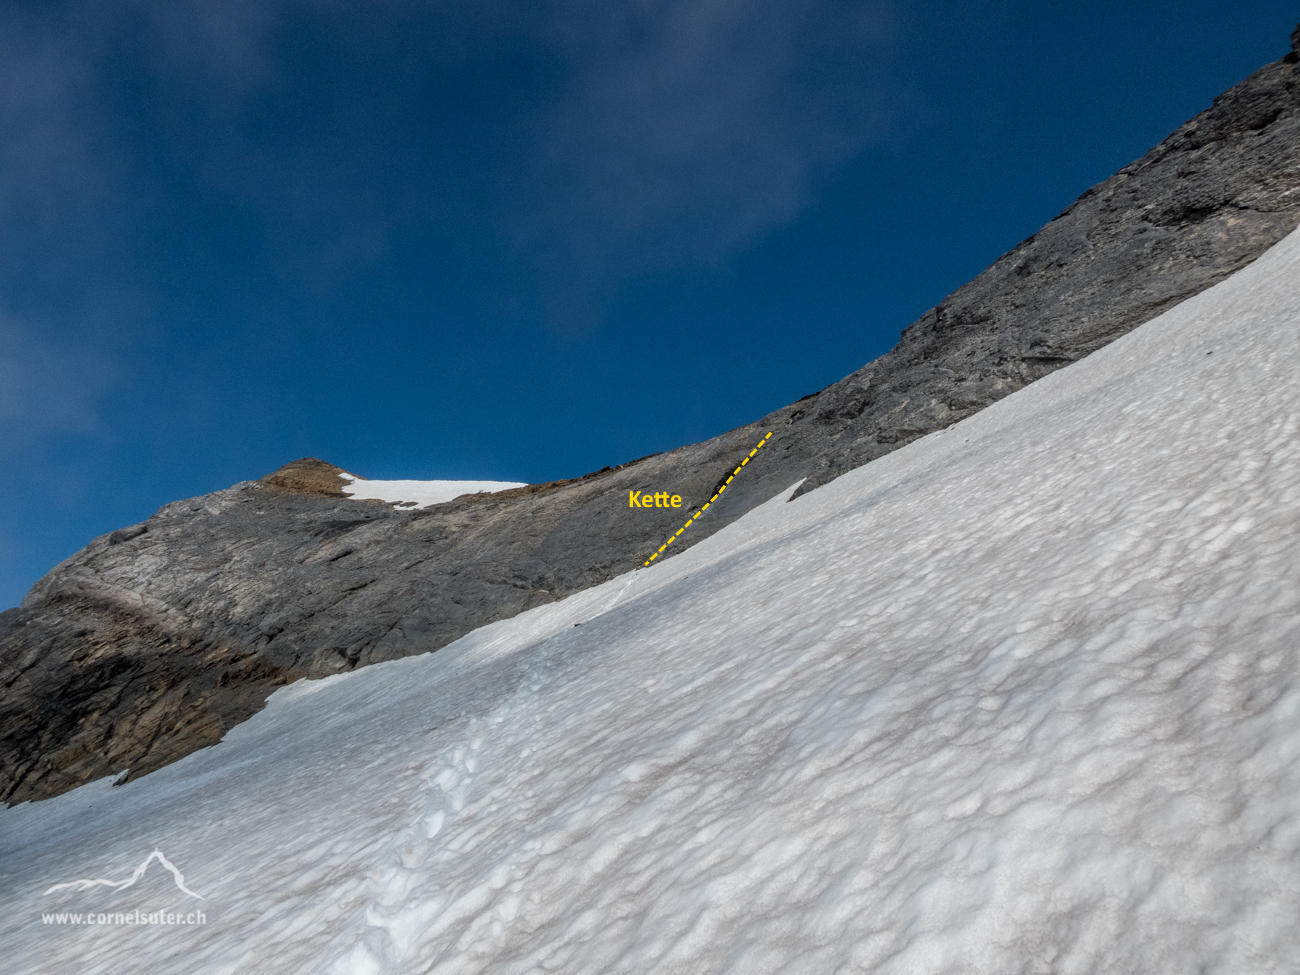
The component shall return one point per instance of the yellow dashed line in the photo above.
(717, 494)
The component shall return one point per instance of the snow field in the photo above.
(418, 494)
(1023, 696)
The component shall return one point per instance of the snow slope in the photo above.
(1021, 697)
(418, 494)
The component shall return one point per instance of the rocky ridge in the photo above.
(155, 639)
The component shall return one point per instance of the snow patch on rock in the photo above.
(418, 494)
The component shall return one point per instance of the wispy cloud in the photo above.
(687, 127)
(49, 387)
(664, 132)
(52, 164)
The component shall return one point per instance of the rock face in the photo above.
(156, 639)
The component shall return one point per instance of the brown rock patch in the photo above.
(308, 476)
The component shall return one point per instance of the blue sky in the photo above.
(518, 239)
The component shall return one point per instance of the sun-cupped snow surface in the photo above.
(419, 494)
(1021, 697)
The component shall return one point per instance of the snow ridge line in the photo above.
(700, 514)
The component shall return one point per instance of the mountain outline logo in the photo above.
(157, 854)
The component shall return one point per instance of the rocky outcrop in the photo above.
(156, 639)
(1201, 205)
(308, 476)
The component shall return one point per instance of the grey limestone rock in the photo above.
(157, 638)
